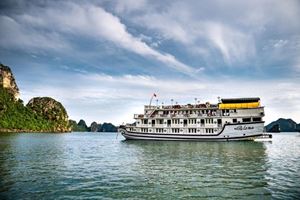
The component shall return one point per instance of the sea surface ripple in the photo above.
(99, 166)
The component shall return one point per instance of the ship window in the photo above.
(202, 121)
(192, 121)
(246, 119)
(160, 130)
(256, 119)
(219, 121)
(153, 122)
(209, 121)
(192, 130)
(175, 130)
(169, 122)
(234, 120)
(209, 130)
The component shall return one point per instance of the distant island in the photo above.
(94, 127)
(41, 114)
(283, 125)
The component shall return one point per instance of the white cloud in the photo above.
(15, 35)
(234, 45)
(130, 5)
(184, 27)
(85, 20)
(236, 29)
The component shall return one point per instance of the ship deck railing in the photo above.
(141, 116)
(175, 126)
(188, 106)
(146, 116)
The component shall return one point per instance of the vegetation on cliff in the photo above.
(51, 110)
(42, 114)
(17, 117)
(78, 127)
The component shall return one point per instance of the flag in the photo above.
(154, 94)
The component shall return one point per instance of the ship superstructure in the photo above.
(229, 119)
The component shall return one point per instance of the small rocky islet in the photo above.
(41, 114)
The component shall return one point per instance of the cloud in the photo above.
(236, 30)
(234, 45)
(85, 20)
(130, 5)
(15, 35)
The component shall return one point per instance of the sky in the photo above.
(103, 60)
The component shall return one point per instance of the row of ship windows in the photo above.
(196, 112)
(177, 121)
(202, 121)
(254, 119)
(176, 130)
(189, 112)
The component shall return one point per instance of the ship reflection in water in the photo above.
(208, 169)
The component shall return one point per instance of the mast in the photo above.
(154, 95)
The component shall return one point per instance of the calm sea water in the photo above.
(99, 166)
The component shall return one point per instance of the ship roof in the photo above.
(240, 100)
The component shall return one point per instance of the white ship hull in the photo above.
(230, 132)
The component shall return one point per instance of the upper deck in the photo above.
(226, 107)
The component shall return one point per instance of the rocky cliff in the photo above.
(51, 110)
(107, 127)
(42, 114)
(8, 82)
(94, 127)
(283, 125)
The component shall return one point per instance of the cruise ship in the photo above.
(229, 119)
